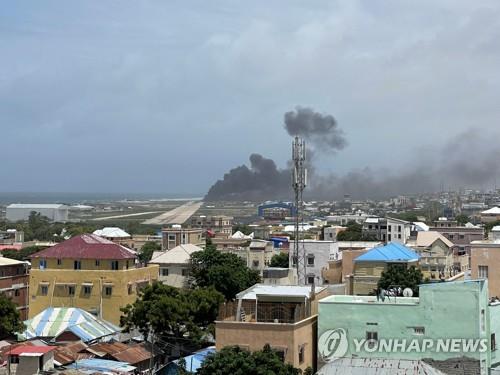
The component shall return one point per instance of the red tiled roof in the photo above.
(87, 246)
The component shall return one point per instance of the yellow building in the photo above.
(88, 272)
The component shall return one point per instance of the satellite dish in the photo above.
(407, 292)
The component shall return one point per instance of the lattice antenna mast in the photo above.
(299, 182)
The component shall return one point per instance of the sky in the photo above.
(167, 96)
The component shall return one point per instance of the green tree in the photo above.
(10, 320)
(354, 232)
(227, 273)
(397, 275)
(462, 219)
(279, 260)
(236, 361)
(407, 216)
(173, 313)
(147, 251)
(243, 228)
(23, 254)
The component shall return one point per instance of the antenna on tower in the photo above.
(299, 182)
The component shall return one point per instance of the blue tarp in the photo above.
(193, 362)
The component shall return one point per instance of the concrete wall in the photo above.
(124, 288)
(444, 310)
(490, 257)
(177, 275)
(287, 337)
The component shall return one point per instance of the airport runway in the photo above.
(178, 215)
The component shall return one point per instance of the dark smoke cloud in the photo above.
(467, 160)
(321, 130)
(263, 180)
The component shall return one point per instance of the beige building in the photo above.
(174, 264)
(285, 317)
(485, 264)
(88, 272)
(437, 259)
(177, 235)
(217, 224)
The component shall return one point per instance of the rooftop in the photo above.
(277, 290)
(55, 320)
(370, 300)
(392, 252)
(112, 232)
(492, 211)
(87, 246)
(178, 255)
(37, 206)
(31, 350)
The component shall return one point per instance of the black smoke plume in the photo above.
(468, 160)
(321, 130)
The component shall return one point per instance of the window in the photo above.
(451, 236)
(371, 338)
(17, 293)
(14, 359)
(171, 237)
(419, 331)
(97, 262)
(483, 321)
(399, 228)
(129, 288)
(493, 342)
(399, 236)
(310, 260)
(389, 228)
(301, 353)
(185, 272)
(108, 290)
(87, 289)
(482, 272)
(126, 265)
(77, 265)
(281, 354)
(389, 238)
(255, 263)
(44, 290)
(114, 265)
(71, 290)
(42, 264)
(59, 261)
(164, 271)
(461, 236)
(310, 279)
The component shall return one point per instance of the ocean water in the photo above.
(74, 198)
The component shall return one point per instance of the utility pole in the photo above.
(299, 182)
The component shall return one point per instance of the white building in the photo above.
(317, 254)
(174, 264)
(20, 211)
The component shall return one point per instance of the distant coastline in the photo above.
(74, 198)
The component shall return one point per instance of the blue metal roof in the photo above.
(103, 365)
(392, 252)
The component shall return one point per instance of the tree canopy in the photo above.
(236, 361)
(22, 254)
(354, 232)
(226, 272)
(173, 313)
(462, 219)
(10, 320)
(279, 260)
(397, 275)
(147, 251)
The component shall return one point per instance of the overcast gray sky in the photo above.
(166, 96)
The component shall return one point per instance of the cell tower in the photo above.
(299, 182)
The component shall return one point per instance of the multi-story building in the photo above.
(485, 263)
(491, 215)
(177, 235)
(317, 255)
(368, 267)
(11, 239)
(217, 224)
(374, 331)
(387, 229)
(174, 264)
(260, 253)
(14, 283)
(285, 317)
(88, 272)
(54, 212)
(461, 236)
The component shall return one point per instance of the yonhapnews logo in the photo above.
(334, 343)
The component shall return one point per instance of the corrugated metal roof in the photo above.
(277, 290)
(132, 354)
(376, 366)
(392, 252)
(87, 246)
(102, 365)
(55, 320)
